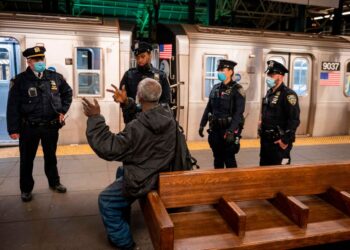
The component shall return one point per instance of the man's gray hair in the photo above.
(149, 90)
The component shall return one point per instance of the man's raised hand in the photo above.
(91, 109)
(119, 95)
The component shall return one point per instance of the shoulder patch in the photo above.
(241, 91)
(156, 76)
(292, 99)
(12, 82)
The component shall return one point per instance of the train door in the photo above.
(9, 66)
(299, 79)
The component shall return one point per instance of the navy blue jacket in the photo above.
(133, 76)
(226, 101)
(36, 100)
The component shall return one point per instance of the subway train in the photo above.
(92, 53)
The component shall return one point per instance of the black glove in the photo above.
(200, 131)
(229, 136)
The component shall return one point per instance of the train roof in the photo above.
(79, 25)
(263, 36)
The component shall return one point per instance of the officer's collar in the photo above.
(279, 88)
(229, 85)
(32, 76)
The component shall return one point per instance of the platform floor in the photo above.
(71, 221)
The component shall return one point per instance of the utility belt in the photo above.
(52, 123)
(273, 134)
(219, 123)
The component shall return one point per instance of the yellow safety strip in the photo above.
(84, 149)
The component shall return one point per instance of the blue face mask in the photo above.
(270, 82)
(39, 66)
(221, 76)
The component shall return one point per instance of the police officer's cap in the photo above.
(223, 63)
(141, 47)
(37, 51)
(275, 67)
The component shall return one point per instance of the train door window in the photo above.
(211, 75)
(89, 71)
(347, 80)
(4, 64)
(300, 76)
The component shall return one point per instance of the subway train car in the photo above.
(319, 72)
(92, 53)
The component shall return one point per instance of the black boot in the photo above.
(59, 188)
(26, 196)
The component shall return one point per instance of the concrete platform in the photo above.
(72, 221)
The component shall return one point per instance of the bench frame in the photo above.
(223, 188)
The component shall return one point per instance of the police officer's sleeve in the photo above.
(208, 109)
(293, 114)
(239, 106)
(124, 81)
(108, 146)
(165, 97)
(129, 110)
(66, 95)
(13, 114)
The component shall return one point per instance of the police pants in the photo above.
(115, 213)
(28, 145)
(273, 154)
(224, 153)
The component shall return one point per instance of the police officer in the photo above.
(224, 112)
(279, 118)
(144, 69)
(38, 100)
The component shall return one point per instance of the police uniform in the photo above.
(133, 76)
(224, 112)
(279, 120)
(33, 108)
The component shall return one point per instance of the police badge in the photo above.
(32, 92)
(53, 86)
(292, 99)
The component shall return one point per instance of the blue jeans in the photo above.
(115, 212)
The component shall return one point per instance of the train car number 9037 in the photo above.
(331, 66)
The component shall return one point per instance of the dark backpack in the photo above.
(183, 159)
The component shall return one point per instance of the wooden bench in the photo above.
(250, 208)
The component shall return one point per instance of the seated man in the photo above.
(146, 146)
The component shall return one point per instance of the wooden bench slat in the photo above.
(272, 238)
(207, 187)
(195, 224)
(260, 215)
(292, 208)
(233, 215)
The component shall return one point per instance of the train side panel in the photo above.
(62, 41)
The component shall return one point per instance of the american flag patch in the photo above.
(165, 51)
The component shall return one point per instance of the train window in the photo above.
(89, 83)
(88, 65)
(300, 76)
(4, 64)
(211, 75)
(347, 80)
